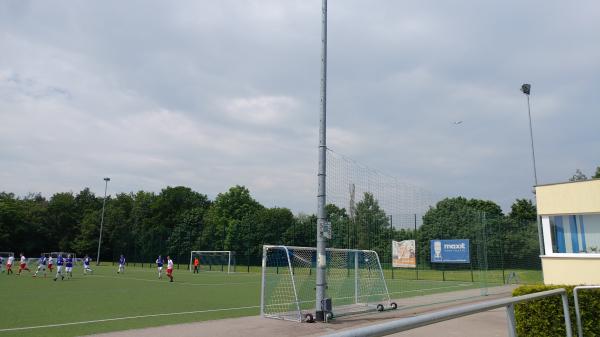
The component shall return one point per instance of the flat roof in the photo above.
(568, 182)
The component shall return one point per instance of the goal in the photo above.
(355, 283)
(213, 260)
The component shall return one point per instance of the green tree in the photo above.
(523, 210)
(597, 174)
(371, 221)
(578, 176)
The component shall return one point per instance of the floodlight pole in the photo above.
(321, 281)
(526, 89)
(106, 180)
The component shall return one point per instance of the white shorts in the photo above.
(86, 266)
(59, 269)
(69, 269)
(121, 266)
(41, 267)
(159, 268)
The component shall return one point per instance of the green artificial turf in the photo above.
(33, 302)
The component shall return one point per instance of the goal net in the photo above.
(213, 260)
(355, 282)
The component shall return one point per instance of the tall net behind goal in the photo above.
(354, 278)
(221, 260)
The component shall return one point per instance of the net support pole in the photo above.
(321, 282)
(356, 277)
(229, 263)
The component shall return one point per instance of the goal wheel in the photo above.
(394, 305)
(308, 318)
(380, 307)
(329, 316)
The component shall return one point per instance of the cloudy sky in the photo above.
(209, 94)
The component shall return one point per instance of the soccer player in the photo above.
(50, 263)
(42, 261)
(121, 264)
(86, 265)
(69, 266)
(196, 265)
(59, 265)
(159, 266)
(9, 263)
(170, 268)
(23, 264)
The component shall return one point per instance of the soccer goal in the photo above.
(213, 260)
(355, 283)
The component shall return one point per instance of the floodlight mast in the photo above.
(526, 89)
(321, 281)
(106, 180)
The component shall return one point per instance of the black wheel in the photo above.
(394, 305)
(308, 318)
(380, 307)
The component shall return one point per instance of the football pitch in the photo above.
(107, 301)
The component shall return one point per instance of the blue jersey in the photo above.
(86, 261)
(69, 262)
(42, 260)
(122, 260)
(59, 261)
(159, 262)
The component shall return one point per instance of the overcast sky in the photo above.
(210, 94)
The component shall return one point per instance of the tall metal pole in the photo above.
(321, 281)
(526, 89)
(106, 180)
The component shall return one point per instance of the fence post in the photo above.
(510, 318)
(565, 303)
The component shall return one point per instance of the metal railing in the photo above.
(404, 324)
(577, 313)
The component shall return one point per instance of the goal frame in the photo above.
(229, 254)
(306, 315)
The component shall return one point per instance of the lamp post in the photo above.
(106, 180)
(526, 89)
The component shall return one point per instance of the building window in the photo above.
(575, 233)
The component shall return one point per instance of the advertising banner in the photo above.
(450, 251)
(403, 254)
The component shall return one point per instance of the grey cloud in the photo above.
(211, 94)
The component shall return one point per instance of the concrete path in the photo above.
(492, 323)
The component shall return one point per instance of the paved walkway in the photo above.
(492, 323)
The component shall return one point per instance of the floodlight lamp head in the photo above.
(526, 88)
(107, 179)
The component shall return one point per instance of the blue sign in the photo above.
(450, 251)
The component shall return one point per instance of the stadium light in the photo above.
(106, 180)
(526, 89)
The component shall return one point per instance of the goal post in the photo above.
(213, 260)
(355, 283)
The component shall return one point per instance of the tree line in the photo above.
(177, 220)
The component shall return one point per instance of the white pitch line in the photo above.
(186, 283)
(125, 318)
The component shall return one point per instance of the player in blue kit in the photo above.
(159, 266)
(42, 262)
(59, 266)
(86, 265)
(121, 265)
(69, 266)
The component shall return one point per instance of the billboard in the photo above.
(450, 251)
(403, 254)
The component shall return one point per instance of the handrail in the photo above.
(448, 314)
(577, 313)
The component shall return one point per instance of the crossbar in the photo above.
(404, 324)
(577, 313)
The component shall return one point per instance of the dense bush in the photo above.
(544, 317)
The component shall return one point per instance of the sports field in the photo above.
(107, 301)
